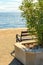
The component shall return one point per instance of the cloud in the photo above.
(10, 6)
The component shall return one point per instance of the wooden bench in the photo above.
(25, 36)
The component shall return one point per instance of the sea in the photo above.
(12, 20)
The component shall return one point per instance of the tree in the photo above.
(33, 13)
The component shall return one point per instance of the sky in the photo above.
(10, 5)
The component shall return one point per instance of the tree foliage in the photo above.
(33, 13)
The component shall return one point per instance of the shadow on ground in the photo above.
(13, 53)
(15, 62)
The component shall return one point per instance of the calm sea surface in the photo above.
(11, 20)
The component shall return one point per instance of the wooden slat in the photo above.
(29, 41)
(25, 35)
(24, 32)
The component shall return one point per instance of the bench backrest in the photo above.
(26, 37)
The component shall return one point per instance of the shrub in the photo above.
(33, 13)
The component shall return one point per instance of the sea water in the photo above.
(12, 20)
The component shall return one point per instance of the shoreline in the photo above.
(11, 28)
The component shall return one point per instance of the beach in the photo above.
(7, 41)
